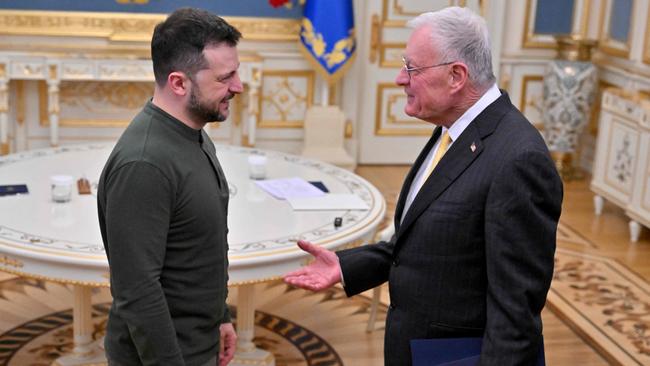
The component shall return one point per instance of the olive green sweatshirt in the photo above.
(163, 202)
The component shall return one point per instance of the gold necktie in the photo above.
(445, 140)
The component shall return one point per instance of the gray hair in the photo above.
(461, 35)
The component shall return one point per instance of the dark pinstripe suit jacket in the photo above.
(474, 253)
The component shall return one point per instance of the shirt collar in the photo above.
(174, 123)
(461, 123)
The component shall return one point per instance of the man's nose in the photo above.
(402, 77)
(236, 85)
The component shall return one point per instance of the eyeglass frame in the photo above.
(411, 69)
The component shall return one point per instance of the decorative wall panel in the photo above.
(97, 104)
(286, 95)
(390, 118)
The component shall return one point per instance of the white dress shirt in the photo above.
(454, 131)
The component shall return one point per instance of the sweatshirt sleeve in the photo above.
(138, 210)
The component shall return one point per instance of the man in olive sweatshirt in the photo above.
(163, 202)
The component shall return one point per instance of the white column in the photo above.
(4, 118)
(82, 321)
(247, 353)
(53, 110)
(252, 112)
(85, 350)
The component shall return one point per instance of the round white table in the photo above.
(61, 242)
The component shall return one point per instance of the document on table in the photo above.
(289, 188)
(331, 201)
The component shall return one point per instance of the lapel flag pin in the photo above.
(473, 147)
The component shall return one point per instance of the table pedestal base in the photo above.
(257, 357)
(96, 357)
(86, 351)
(247, 353)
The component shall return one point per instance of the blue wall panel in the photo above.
(553, 17)
(619, 25)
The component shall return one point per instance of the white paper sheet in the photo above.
(289, 187)
(330, 201)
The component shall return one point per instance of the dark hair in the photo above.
(178, 42)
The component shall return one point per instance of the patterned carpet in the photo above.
(602, 300)
(36, 324)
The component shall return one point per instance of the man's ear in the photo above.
(458, 76)
(178, 83)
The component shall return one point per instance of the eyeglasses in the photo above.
(411, 69)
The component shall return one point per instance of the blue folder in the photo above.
(452, 352)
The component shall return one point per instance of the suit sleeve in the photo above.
(138, 210)
(367, 266)
(522, 212)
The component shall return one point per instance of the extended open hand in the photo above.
(323, 273)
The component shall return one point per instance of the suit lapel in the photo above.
(462, 153)
(411, 175)
(452, 164)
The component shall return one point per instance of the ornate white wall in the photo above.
(73, 77)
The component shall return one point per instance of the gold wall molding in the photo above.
(592, 127)
(524, 102)
(618, 66)
(285, 97)
(387, 61)
(399, 10)
(20, 101)
(394, 7)
(399, 126)
(130, 27)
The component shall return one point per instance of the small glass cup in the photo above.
(61, 188)
(257, 166)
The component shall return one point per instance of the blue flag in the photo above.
(327, 36)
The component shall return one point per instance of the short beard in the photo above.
(200, 112)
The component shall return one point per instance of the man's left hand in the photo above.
(227, 343)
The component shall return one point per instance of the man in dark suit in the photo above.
(475, 224)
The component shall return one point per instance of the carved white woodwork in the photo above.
(54, 70)
(622, 168)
